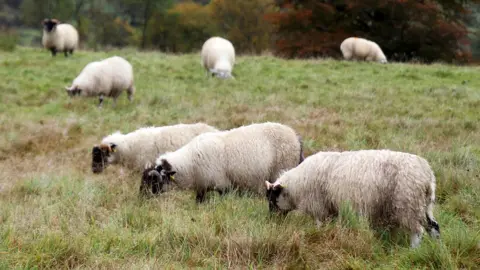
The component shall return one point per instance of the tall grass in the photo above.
(55, 213)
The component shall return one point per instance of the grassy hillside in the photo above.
(55, 213)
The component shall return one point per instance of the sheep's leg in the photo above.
(416, 236)
(432, 225)
(319, 223)
(130, 92)
(71, 52)
(54, 51)
(200, 196)
(100, 99)
(66, 53)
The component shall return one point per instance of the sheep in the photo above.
(218, 57)
(108, 77)
(362, 49)
(140, 147)
(386, 187)
(58, 37)
(240, 158)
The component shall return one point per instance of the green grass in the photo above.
(55, 213)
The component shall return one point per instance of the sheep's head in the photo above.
(221, 74)
(278, 199)
(73, 91)
(154, 179)
(100, 156)
(50, 24)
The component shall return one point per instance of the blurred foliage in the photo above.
(8, 39)
(183, 28)
(243, 23)
(442, 30)
(404, 29)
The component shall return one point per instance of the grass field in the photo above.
(55, 213)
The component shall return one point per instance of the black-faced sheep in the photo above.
(59, 37)
(241, 158)
(386, 187)
(140, 147)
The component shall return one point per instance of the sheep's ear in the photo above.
(166, 165)
(171, 175)
(278, 187)
(106, 147)
(55, 21)
(148, 165)
(268, 185)
(44, 21)
(113, 147)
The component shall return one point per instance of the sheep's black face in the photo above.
(272, 196)
(278, 199)
(100, 156)
(152, 182)
(50, 25)
(74, 91)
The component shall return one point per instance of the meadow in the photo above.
(55, 213)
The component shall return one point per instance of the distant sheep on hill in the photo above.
(59, 37)
(362, 49)
(106, 78)
(218, 57)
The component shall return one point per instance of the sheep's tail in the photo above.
(302, 157)
(432, 224)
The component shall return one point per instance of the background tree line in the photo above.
(406, 29)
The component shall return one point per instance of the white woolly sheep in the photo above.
(241, 158)
(143, 146)
(59, 37)
(106, 78)
(362, 49)
(218, 57)
(386, 187)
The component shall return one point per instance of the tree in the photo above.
(144, 9)
(243, 23)
(34, 11)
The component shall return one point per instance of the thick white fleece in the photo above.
(143, 146)
(243, 158)
(218, 56)
(385, 186)
(63, 38)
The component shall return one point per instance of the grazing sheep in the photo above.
(108, 77)
(362, 49)
(140, 147)
(59, 37)
(387, 187)
(241, 158)
(218, 57)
